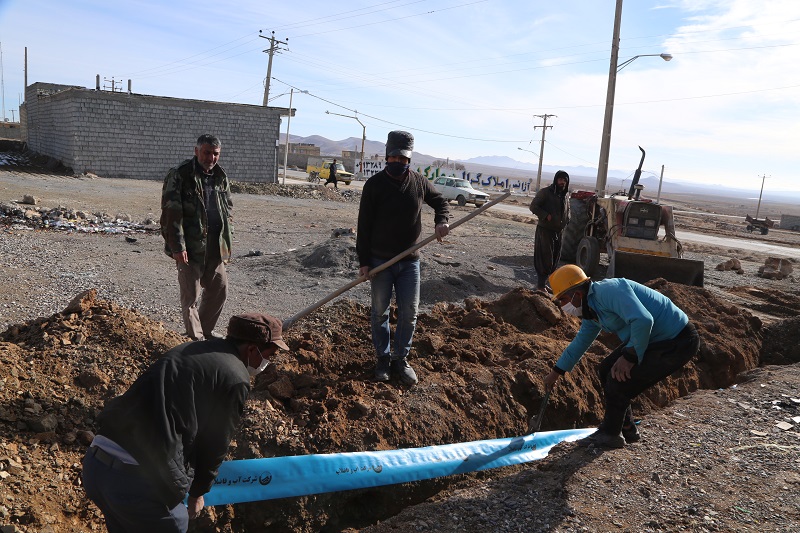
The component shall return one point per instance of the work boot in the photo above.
(382, 369)
(601, 439)
(403, 370)
(631, 434)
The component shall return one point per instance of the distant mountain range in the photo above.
(580, 176)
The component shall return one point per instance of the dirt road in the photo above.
(714, 460)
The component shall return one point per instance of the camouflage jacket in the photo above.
(184, 223)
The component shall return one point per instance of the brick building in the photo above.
(126, 135)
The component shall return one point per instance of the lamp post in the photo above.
(605, 144)
(539, 175)
(363, 138)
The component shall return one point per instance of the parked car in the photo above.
(460, 190)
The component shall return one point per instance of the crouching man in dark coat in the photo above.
(168, 434)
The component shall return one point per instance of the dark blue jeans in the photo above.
(127, 500)
(660, 360)
(403, 278)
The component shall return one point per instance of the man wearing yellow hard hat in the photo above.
(657, 339)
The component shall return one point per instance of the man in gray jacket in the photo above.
(551, 207)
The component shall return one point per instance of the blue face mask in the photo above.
(396, 168)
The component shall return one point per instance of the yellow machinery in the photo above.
(637, 234)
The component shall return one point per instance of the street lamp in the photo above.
(665, 57)
(605, 144)
(363, 138)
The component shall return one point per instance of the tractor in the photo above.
(637, 234)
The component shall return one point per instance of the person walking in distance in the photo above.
(167, 435)
(332, 178)
(390, 222)
(196, 223)
(551, 207)
(657, 339)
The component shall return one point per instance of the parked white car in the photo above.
(460, 190)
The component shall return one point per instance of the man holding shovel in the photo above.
(390, 222)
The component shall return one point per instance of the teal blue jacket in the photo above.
(637, 314)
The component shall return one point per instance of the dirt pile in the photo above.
(480, 366)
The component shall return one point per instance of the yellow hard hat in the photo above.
(565, 278)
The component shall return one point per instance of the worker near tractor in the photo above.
(389, 223)
(332, 176)
(168, 434)
(551, 207)
(197, 229)
(657, 339)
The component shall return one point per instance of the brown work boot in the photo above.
(631, 434)
(601, 439)
(404, 372)
(382, 369)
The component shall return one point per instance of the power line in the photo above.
(398, 124)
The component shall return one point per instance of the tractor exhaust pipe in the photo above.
(635, 182)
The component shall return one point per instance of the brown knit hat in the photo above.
(257, 328)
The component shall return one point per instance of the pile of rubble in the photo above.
(773, 268)
(27, 214)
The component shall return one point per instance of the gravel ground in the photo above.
(712, 461)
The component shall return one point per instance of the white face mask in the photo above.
(261, 367)
(572, 310)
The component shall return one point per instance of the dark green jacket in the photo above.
(184, 224)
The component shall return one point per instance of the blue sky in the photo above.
(465, 76)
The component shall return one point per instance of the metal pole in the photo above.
(269, 70)
(605, 143)
(541, 153)
(286, 149)
(763, 179)
(272, 49)
(660, 181)
(2, 83)
(363, 140)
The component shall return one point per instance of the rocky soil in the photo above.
(720, 452)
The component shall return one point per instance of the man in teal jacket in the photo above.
(657, 339)
(196, 224)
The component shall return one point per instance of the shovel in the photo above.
(536, 422)
(308, 310)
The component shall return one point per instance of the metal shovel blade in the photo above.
(536, 422)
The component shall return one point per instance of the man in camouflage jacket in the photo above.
(196, 225)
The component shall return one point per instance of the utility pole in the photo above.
(2, 82)
(274, 47)
(286, 148)
(544, 127)
(763, 179)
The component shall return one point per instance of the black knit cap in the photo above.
(399, 143)
(257, 328)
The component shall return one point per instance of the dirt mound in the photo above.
(315, 192)
(480, 368)
(781, 343)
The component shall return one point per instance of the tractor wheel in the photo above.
(575, 230)
(461, 200)
(764, 231)
(588, 255)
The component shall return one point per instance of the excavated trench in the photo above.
(480, 366)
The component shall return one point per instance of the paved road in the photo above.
(689, 236)
(299, 178)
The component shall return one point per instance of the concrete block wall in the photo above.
(136, 136)
(10, 130)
